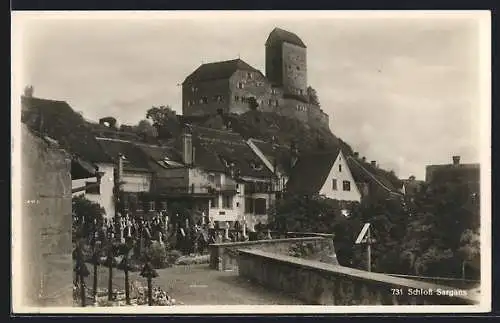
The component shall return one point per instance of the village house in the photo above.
(456, 172)
(334, 175)
(234, 86)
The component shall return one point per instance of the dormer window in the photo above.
(256, 166)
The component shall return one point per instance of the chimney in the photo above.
(456, 160)
(374, 163)
(28, 91)
(356, 154)
(363, 159)
(187, 148)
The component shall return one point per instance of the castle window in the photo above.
(334, 184)
(194, 89)
(241, 85)
(301, 91)
(273, 91)
(298, 68)
(346, 185)
(218, 98)
(236, 98)
(277, 103)
(289, 67)
(270, 102)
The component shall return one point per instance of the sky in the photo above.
(402, 89)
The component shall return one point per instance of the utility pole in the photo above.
(368, 251)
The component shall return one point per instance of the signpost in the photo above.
(364, 237)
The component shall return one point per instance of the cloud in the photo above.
(401, 91)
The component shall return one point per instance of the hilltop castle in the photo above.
(236, 87)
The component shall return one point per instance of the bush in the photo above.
(157, 254)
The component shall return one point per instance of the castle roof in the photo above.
(279, 35)
(218, 71)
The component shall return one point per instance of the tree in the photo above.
(85, 214)
(164, 120)
(312, 95)
(145, 127)
(441, 235)
(252, 102)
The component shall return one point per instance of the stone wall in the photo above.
(47, 267)
(224, 256)
(319, 283)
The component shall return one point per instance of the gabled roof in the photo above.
(215, 150)
(366, 173)
(311, 171)
(283, 36)
(57, 120)
(218, 71)
(134, 158)
(278, 155)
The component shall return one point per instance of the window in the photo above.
(236, 98)
(227, 202)
(188, 103)
(249, 75)
(241, 85)
(301, 91)
(211, 178)
(204, 100)
(259, 84)
(340, 167)
(194, 89)
(151, 205)
(273, 91)
(260, 206)
(270, 102)
(298, 68)
(334, 184)
(346, 185)
(248, 205)
(94, 189)
(218, 98)
(214, 202)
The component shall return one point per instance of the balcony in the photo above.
(258, 187)
(227, 188)
(171, 190)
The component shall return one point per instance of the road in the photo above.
(199, 285)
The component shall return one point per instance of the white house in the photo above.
(326, 173)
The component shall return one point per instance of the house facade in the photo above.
(325, 173)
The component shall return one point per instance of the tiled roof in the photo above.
(279, 155)
(215, 148)
(135, 158)
(58, 120)
(218, 71)
(281, 35)
(366, 173)
(311, 171)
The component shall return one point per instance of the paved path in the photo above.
(199, 285)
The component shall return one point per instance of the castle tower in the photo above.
(286, 62)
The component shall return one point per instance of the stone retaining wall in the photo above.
(325, 284)
(224, 256)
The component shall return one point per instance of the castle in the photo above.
(236, 87)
